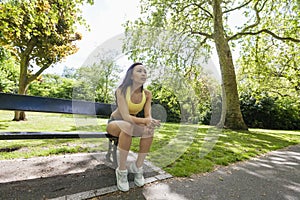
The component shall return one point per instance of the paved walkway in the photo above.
(274, 176)
(75, 176)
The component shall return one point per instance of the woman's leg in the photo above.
(122, 130)
(145, 144)
(124, 147)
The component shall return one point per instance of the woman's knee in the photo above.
(112, 129)
(147, 138)
(115, 128)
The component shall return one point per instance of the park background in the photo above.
(266, 68)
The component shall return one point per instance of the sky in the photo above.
(105, 19)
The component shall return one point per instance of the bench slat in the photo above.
(53, 105)
(52, 135)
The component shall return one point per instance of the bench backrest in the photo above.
(53, 105)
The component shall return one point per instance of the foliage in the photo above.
(8, 72)
(39, 33)
(51, 85)
(211, 113)
(272, 66)
(177, 34)
(261, 111)
(165, 97)
(194, 98)
(69, 72)
(264, 111)
(269, 72)
(94, 82)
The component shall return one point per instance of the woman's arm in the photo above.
(147, 111)
(147, 107)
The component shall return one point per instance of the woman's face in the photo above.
(139, 74)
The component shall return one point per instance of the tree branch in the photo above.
(237, 8)
(33, 77)
(276, 92)
(256, 23)
(203, 41)
(198, 6)
(200, 33)
(238, 35)
(30, 46)
(206, 11)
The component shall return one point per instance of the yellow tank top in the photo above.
(134, 108)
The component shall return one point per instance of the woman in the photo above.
(132, 98)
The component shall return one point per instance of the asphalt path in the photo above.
(71, 176)
(274, 176)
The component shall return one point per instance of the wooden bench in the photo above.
(16, 102)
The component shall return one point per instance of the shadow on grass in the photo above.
(237, 146)
(47, 147)
(10, 149)
(228, 147)
(3, 124)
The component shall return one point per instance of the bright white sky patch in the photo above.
(105, 19)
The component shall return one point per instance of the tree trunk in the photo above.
(231, 113)
(23, 86)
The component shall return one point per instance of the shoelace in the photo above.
(123, 177)
(139, 173)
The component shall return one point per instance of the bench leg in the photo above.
(112, 151)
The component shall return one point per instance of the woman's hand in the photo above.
(155, 123)
(152, 123)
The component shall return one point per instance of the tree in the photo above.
(269, 77)
(269, 68)
(100, 74)
(68, 72)
(39, 33)
(51, 85)
(207, 23)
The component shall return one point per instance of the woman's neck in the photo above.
(135, 88)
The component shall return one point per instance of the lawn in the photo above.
(180, 149)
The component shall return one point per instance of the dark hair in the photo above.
(127, 80)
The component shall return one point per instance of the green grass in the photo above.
(11, 149)
(179, 149)
(226, 147)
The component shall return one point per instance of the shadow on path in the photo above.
(59, 177)
(274, 176)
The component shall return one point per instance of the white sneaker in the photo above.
(138, 174)
(122, 181)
